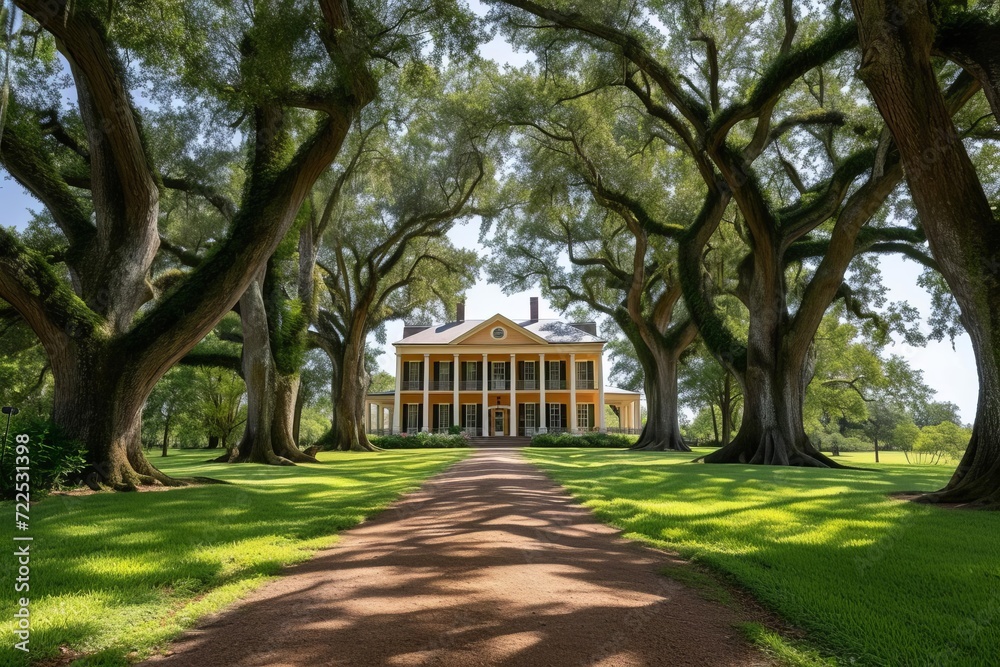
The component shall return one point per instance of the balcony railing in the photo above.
(528, 384)
(499, 385)
(585, 383)
(441, 385)
(411, 385)
(555, 384)
(471, 385)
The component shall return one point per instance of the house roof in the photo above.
(549, 331)
(618, 390)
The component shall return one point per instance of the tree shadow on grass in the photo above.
(872, 578)
(106, 564)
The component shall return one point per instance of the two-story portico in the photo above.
(497, 377)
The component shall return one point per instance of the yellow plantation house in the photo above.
(500, 377)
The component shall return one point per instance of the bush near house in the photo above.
(606, 440)
(420, 441)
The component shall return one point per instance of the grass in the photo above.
(871, 579)
(115, 575)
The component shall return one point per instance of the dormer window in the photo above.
(499, 333)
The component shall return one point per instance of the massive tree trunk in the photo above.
(270, 394)
(99, 400)
(105, 358)
(773, 383)
(662, 430)
(954, 210)
(348, 421)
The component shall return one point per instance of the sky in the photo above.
(951, 372)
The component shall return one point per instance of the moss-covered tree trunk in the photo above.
(99, 399)
(106, 355)
(960, 226)
(349, 433)
(774, 382)
(271, 395)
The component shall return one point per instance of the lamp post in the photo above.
(9, 411)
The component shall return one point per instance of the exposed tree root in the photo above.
(669, 443)
(770, 448)
(295, 455)
(970, 496)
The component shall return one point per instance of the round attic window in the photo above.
(499, 332)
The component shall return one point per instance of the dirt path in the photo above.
(489, 564)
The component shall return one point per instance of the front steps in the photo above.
(498, 442)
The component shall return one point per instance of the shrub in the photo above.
(420, 441)
(53, 457)
(610, 440)
(946, 440)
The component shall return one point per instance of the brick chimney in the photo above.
(460, 311)
(534, 308)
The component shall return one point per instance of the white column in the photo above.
(427, 394)
(454, 391)
(486, 396)
(571, 418)
(601, 426)
(368, 417)
(637, 414)
(512, 426)
(394, 413)
(543, 419)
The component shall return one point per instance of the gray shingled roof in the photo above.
(553, 331)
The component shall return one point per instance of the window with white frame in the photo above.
(499, 375)
(555, 371)
(555, 415)
(470, 415)
(529, 415)
(412, 417)
(583, 416)
(584, 378)
(529, 375)
(444, 416)
(444, 371)
(414, 371)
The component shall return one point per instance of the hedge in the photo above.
(420, 441)
(611, 440)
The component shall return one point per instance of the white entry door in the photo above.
(498, 422)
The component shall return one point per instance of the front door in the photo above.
(498, 422)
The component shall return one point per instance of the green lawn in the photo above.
(113, 575)
(873, 580)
